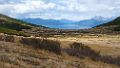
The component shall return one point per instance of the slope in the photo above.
(10, 25)
(113, 25)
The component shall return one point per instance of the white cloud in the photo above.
(57, 9)
(32, 6)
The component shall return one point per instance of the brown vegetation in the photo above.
(75, 49)
(7, 38)
(50, 45)
(82, 51)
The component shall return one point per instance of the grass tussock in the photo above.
(7, 38)
(50, 45)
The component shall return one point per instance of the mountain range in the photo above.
(14, 26)
(68, 24)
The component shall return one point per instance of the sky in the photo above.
(60, 9)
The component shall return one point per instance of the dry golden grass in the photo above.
(106, 50)
(17, 55)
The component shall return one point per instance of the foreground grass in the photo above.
(34, 52)
(20, 56)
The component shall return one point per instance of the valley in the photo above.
(28, 45)
(59, 33)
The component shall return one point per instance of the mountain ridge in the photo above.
(113, 22)
(113, 25)
(67, 24)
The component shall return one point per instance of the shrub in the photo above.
(50, 45)
(117, 28)
(110, 60)
(80, 50)
(77, 46)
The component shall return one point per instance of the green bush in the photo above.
(13, 32)
(117, 28)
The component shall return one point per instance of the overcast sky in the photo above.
(60, 9)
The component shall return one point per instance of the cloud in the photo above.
(60, 9)
(32, 6)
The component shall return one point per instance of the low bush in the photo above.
(50, 45)
(80, 50)
(110, 60)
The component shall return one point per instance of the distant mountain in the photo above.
(67, 24)
(10, 25)
(50, 22)
(93, 22)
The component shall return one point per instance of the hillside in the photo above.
(10, 25)
(114, 22)
(112, 27)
